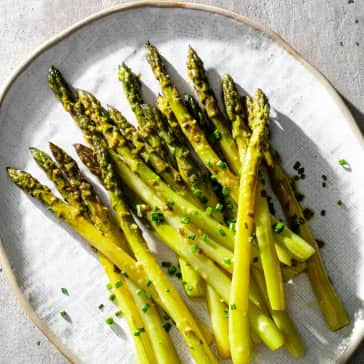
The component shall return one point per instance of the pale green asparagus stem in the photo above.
(197, 74)
(238, 320)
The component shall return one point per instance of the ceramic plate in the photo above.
(309, 123)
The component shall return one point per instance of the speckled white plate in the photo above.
(310, 124)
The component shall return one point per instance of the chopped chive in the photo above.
(138, 291)
(101, 306)
(233, 306)
(185, 220)
(343, 162)
(303, 176)
(109, 321)
(232, 226)
(165, 316)
(195, 213)
(278, 227)
(323, 184)
(324, 177)
(217, 134)
(225, 191)
(118, 284)
(302, 220)
(179, 275)
(148, 283)
(301, 170)
(296, 178)
(219, 206)
(65, 291)
(167, 326)
(300, 197)
(339, 202)
(197, 193)
(63, 313)
(204, 237)
(172, 270)
(251, 239)
(222, 232)
(208, 164)
(255, 260)
(208, 211)
(145, 307)
(170, 203)
(195, 185)
(109, 286)
(213, 178)
(139, 210)
(296, 165)
(157, 217)
(192, 237)
(323, 212)
(194, 248)
(227, 261)
(137, 333)
(221, 164)
(125, 274)
(119, 313)
(168, 290)
(204, 199)
(166, 264)
(112, 297)
(189, 288)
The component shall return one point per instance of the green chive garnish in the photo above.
(145, 307)
(109, 320)
(185, 220)
(118, 284)
(119, 313)
(278, 227)
(65, 291)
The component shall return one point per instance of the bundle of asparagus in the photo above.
(194, 175)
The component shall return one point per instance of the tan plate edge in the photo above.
(163, 4)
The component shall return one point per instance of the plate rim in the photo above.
(275, 37)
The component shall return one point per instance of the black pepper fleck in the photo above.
(342, 44)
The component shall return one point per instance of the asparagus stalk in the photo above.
(197, 74)
(188, 166)
(292, 340)
(267, 252)
(176, 307)
(189, 126)
(238, 320)
(199, 115)
(132, 89)
(97, 211)
(217, 309)
(125, 301)
(330, 303)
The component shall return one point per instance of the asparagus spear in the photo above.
(330, 303)
(292, 340)
(169, 296)
(198, 114)
(189, 126)
(238, 319)
(132, 89)
(236, 115)
(124, 299)
(197, 74)
(219, 322)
